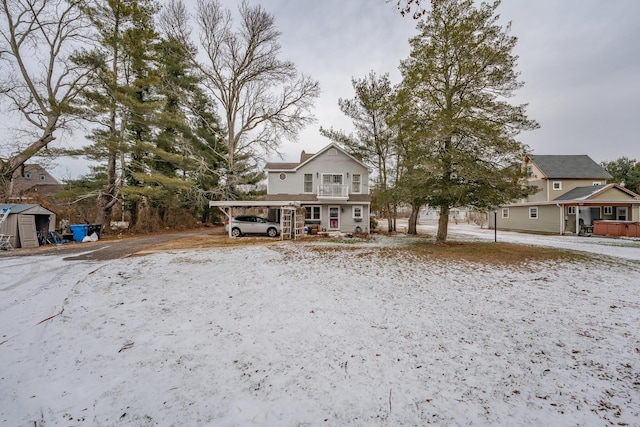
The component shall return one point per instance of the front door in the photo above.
(334, 218)
(621, 213)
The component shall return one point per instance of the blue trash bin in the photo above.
(79, 231)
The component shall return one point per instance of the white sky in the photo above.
(579, 59)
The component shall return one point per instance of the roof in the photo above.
(584, 193)
(39, 178)
(569, 167)
(23, 208)
(306, 158)
(252, 203)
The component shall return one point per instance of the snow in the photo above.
(299, 333)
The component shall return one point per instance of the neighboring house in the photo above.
(433, 213)
(30, 179)
(332, 186)
(572, 194)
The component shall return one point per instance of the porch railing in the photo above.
(333, 190)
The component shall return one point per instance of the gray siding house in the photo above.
(572, 194)
(331, 185)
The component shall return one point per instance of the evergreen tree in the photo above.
(457, 80)
(624, 171)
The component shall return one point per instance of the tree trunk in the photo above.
(443, 225)
(413, 219)
(108, 198)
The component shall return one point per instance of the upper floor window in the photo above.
(308, 183)
(356, 183)
(533, 213)
(332, 178)
(332, 152)
(557, 185)
(282, 176)
(27, 175)
(597, 183)
(42, 177)
(529, 170)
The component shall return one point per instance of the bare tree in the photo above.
(263, 97)
(38, 80)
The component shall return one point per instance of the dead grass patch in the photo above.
(477, 252)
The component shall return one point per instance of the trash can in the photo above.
(79, 231)
(94, 228)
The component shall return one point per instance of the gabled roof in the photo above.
(308, 157)
(586, 193)
(20, 208)
(569, 167)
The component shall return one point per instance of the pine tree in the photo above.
(458, 77)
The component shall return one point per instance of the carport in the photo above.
(290, 224)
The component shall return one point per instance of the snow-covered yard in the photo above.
(327, 333)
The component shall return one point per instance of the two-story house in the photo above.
(331, 185)
(572, 194)
(32, 179)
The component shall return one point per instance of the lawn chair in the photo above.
(4, 213)
(5, 242)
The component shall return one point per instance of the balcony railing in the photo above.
(333, 191)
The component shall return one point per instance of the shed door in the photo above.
(27, 231)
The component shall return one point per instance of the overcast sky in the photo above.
(579, 59)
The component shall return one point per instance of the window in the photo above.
(332, 152)
(308, 183)
(312, 213)
(356, 183)
(621, 214)
(27, 175)
(357, 212)
(529, 170)
(505, 213)
(557, 185)
(533, 213)
(282, 176)
(608, 210)
(42, 177)
(571, 210)
(597, 183)
(332, 179)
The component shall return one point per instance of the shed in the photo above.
(24, 221)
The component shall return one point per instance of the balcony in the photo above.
(333, 192)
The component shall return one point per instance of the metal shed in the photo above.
(22, 223)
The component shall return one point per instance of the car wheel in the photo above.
(272, 232)
(235, 232)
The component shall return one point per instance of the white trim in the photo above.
(607, 210)
(537, 212)
(313, 207)
(505, 213)
(329, 218)
(353, 175)
(304, 183)
(571, 210)
(559, 185)
(353, 211)
(619, 210)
